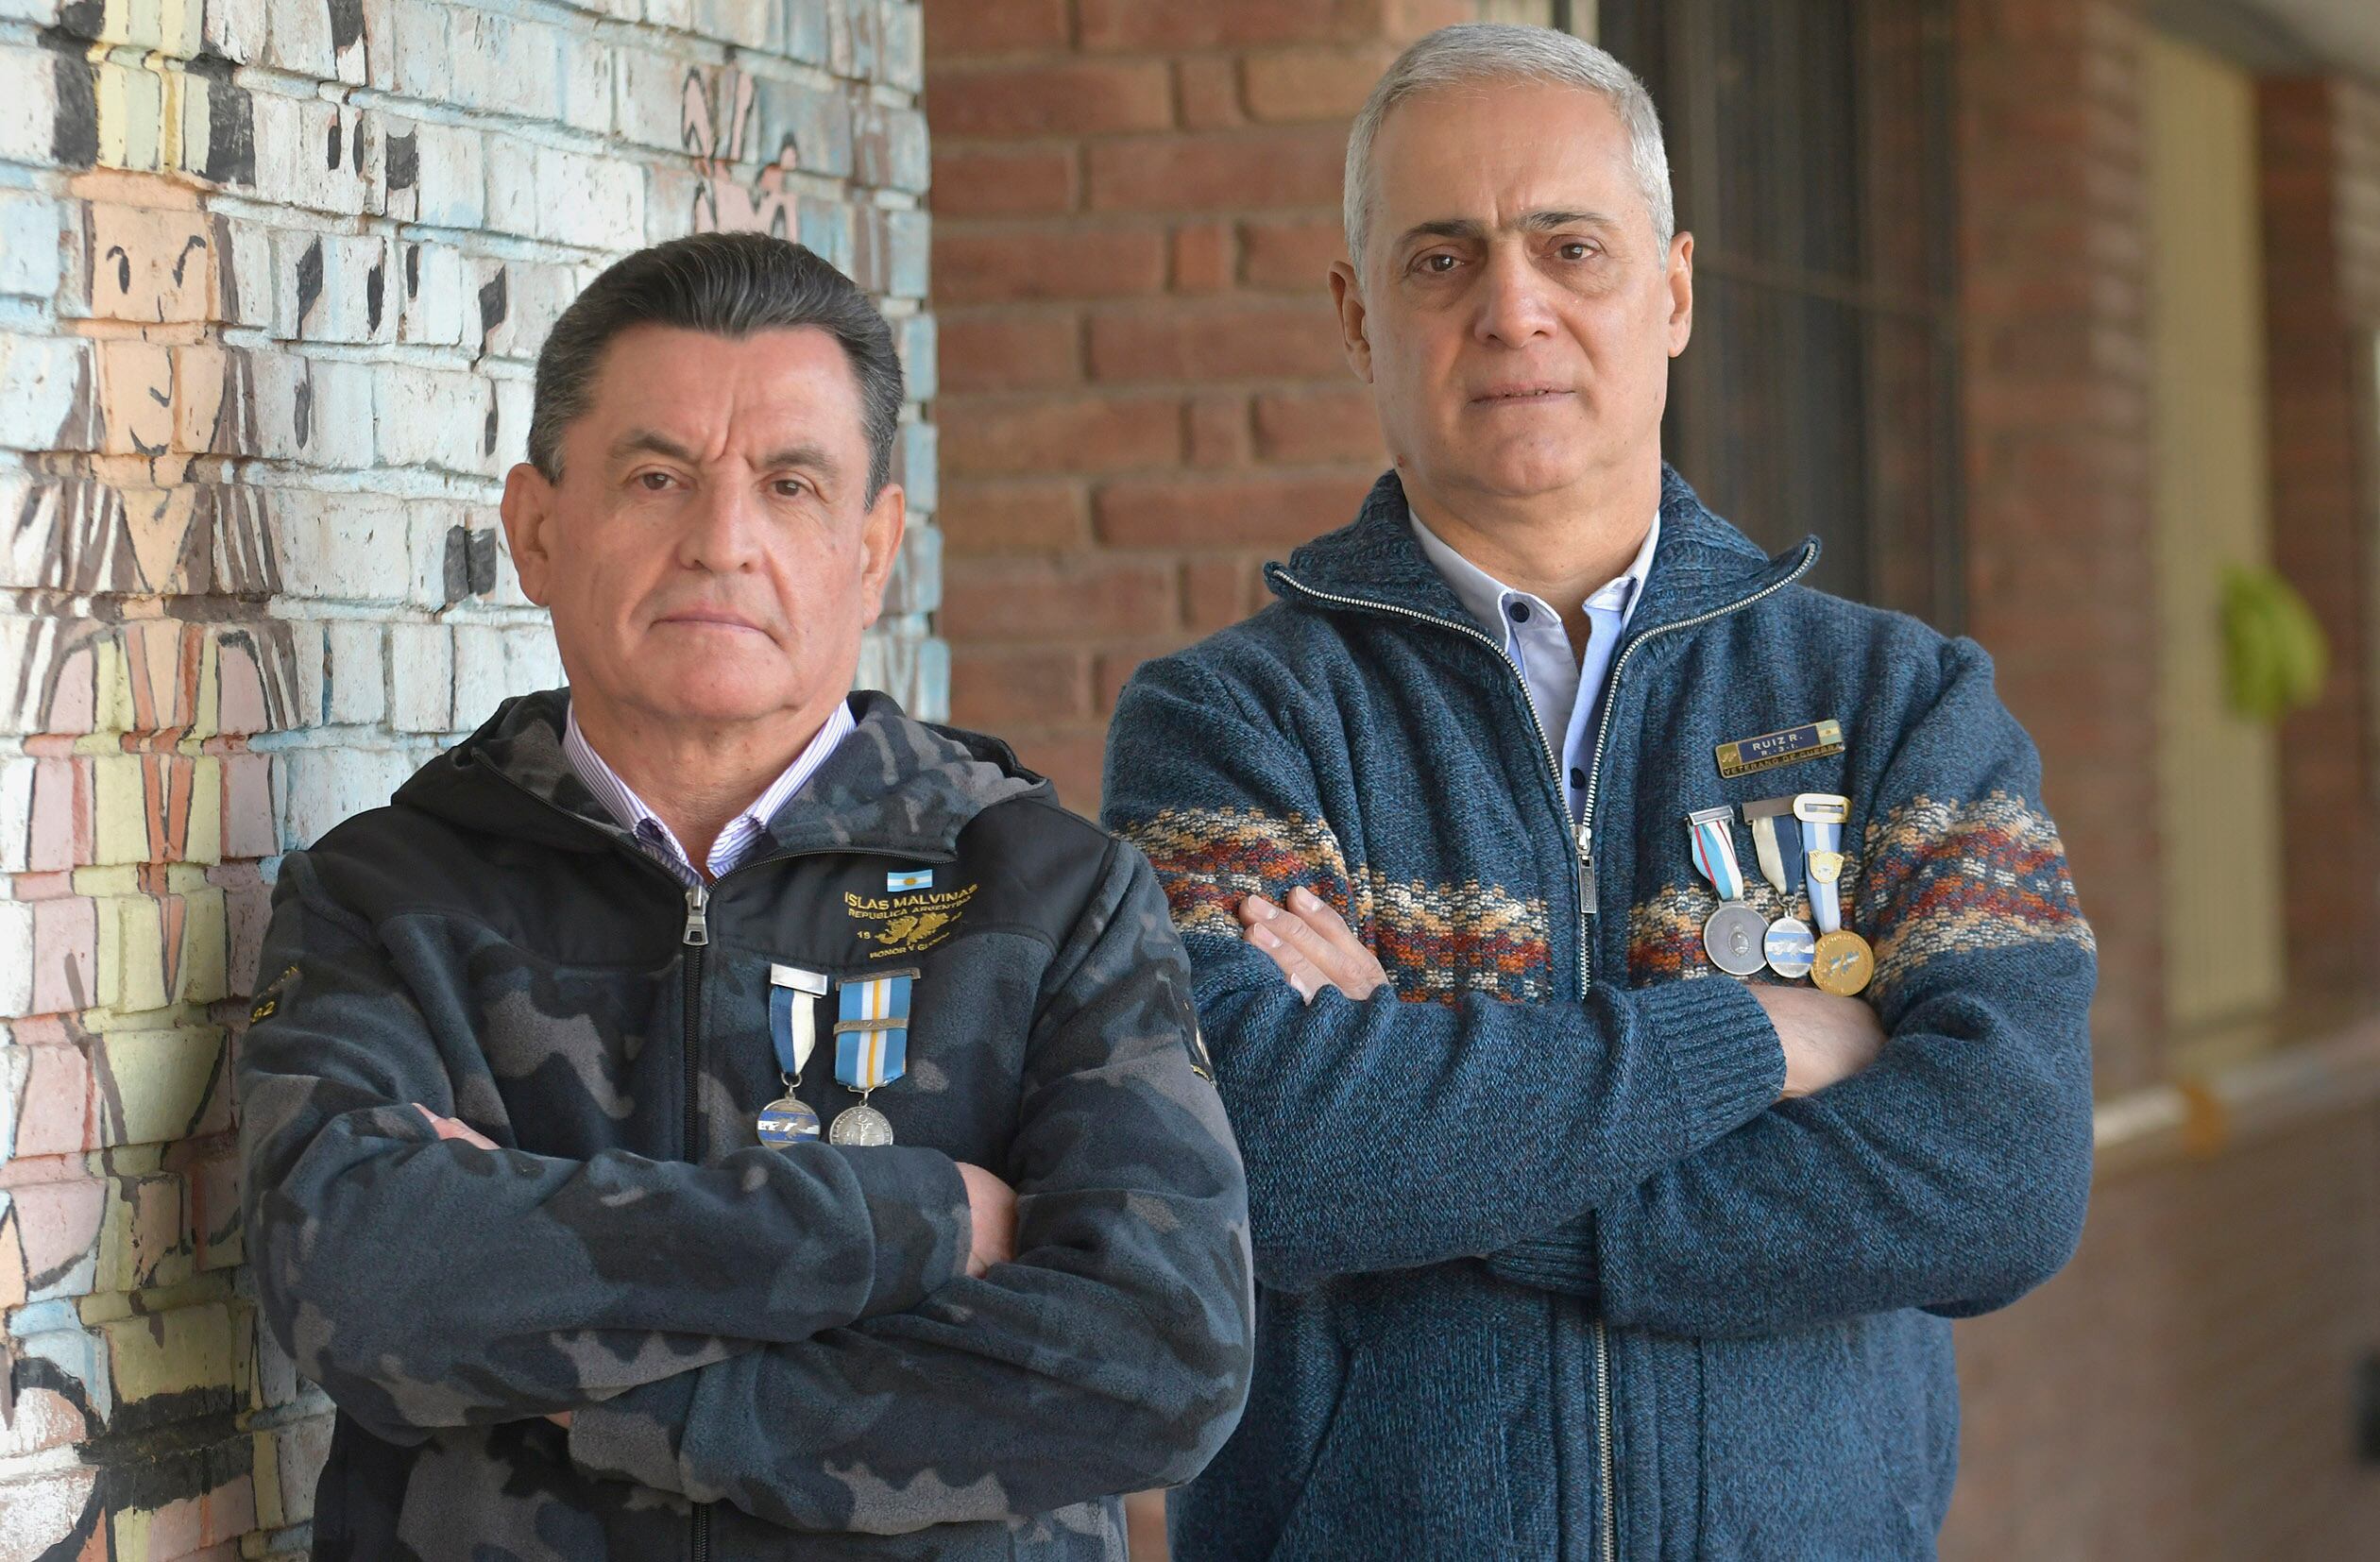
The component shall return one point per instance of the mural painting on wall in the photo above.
(717, 128)
(148, 657)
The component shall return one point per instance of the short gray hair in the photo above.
(1504, 51)
(729, 284)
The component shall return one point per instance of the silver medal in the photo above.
(786, 1121)
(1736, 939)
(1791, 947)
(861, 1125)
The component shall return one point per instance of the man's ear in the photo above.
(528, 511)
(1347, 298)
(880, 544)
(1681, 289)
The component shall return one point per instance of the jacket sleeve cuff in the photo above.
(917, 1207)
(1724, 1052)
(635, 1436)
(1561, 1260)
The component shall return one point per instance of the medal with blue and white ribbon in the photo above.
(1733, 935)
(793, 996)
(1776, 844)
(1842, 962)
(871, 1051)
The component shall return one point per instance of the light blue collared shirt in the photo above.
(1566, 691)
(744, 833)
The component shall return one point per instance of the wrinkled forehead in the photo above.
(708, 391)
(1495, 152)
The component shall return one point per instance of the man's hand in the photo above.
(993, 1205)
(1827, 1038)
(1312, 945)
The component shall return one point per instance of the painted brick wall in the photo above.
(272, 277)
(1137, 207)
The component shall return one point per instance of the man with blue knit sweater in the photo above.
(1570, 1243)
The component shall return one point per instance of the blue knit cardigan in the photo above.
(1546, 1270)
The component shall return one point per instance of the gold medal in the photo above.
(1844, 963)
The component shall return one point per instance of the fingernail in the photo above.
(1266, 937)
(1303, 898)
(1265, 908)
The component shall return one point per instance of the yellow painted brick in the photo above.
(204, 841)
(161, 1077)
(206, 721)
(112, 683)
(170, 1352)
(120, 809)
(269, 1512)
(142, 1243)
(138, 953)
(204, 945)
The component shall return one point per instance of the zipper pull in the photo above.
(697, 914)
(1586, 868)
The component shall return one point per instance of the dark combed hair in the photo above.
(730, 285)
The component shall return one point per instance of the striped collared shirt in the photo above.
(744, 832)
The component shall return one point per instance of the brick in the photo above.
(1009, 351)
(889, 148)
(1216, 593)
(1057, 600)
(1083, 434)
(1316, 426)
(1016, 265)
(42, 385)
(1225, 171)
(29, 105)
(1217, 430)
(343, 549)
(970, 26)
(30, 249)
(983, 181)
(1019, 515)
(1072, 97)
(1207, 87)
(1291, 253)
(1214, 24)
(1002, 689)
(1223, 342)
(1204, 257)
(1238, 512)
(1291, 86)
(430, 417)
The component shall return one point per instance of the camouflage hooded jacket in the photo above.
(766, 1352)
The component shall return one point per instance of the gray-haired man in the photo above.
(706, 1113)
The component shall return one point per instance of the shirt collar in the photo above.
(736, 841)
(1488, 599)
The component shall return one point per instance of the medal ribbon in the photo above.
(1713, 833)
(871, 1036)
(1822, 815)
(793, 996)
(1779, 851)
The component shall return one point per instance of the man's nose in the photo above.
(721, 532)
(1513, 306)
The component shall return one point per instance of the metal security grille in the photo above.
(1809, 144)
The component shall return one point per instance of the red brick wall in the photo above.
(2321, 187)
(1142, 396)
(2053, 277)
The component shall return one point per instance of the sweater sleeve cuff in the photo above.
(917, 1206)
(1724, 1052)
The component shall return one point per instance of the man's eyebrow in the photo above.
(816, 458)
(647, 441)
(1534, 221)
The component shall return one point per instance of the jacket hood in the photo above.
(1701, 562)
(894, 786)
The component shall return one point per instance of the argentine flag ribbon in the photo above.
(872, 1033)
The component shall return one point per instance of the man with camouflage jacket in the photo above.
(858, 1193)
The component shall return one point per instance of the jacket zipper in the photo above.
(1607, 1536)
(696, 941)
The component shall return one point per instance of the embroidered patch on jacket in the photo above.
(268, 997)
(906, 923)
(1949, 877)
(1436, 942)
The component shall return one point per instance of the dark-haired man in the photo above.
(708, 1114)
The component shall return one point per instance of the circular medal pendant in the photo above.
(1843, 964)
(787, 1122)
(1734, 936)
(861, 1125)
(1791, 948)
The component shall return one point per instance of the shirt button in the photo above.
(1519, 612)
